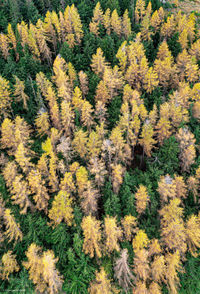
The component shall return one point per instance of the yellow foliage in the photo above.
(8, 265)
(92, 236)
(113, 234)
(140, 241)
(61, 208)
(13, 231)
(101, 283)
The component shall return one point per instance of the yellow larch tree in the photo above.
(51, 276)
(79, 143)
(140, 288)
(139, 10)
(19, 92)
(101, 284)
(94, 144)
(126, 24)
(156, 20)
(77, 25)
(96, 19)
(173, 266)
(142, 198)
(81, 179)
(4, 45)
(5, 94)
(38, 188)
(67, 117)
(117, 176)
(45, 52)
(42, 123)
(116, 23)
(129, 224)
(168, 27)
(166, 188)
(83, 82)
(154, 247)
(158, 269)
(193, 234)
(24, 33)
(8, 265)
(12, 40)
(181, 188)
(13, 231)
(67, 183)
(7, 134)
(102, 93)
(20, 194)
(140, 241)
(141, 265)
(192, 184)
(61, 208)
(147, 141)
(154, 288)
(113, 234)
(172, 226)
(187, 147)
(22, 157)
(150, 80)
(92, 236)
(107, 21)
(42, 269)
(86, 115)
(123, 59)
(97, 167)
(163, 129)
(89, 199)
(98, 62)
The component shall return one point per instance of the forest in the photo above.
(99, 147)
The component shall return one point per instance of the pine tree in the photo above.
(89, 199)
(92, 236)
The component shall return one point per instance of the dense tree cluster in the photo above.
(99, 138)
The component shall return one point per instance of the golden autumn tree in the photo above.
(142, 198)
(92, 236)
(117, 177)
(101, 284)
(5, 94)
(172, 226)
(96, 19)
(13, 231)
(42, 269)
(4, 46)
(113, 234)
(98, 62)
(129, 224)
(38, 188)
(19, 92)
(89, 199)
(8, 265)
(140, 240)
(193, 234)
(173, 266)
(147, 141)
